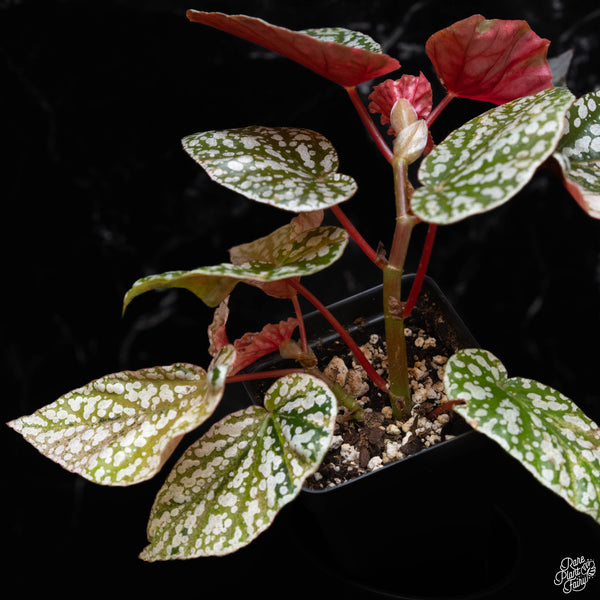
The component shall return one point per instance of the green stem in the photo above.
(399, 388)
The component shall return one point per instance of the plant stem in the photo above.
(300, 320)
(421, 270)
(399, 388)
(357, 237)
(358, 353)
(435, 113)
(262, 375)
(365, 117)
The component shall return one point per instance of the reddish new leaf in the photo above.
(417, 90)
(217, 334)
(343, 64)
(491, 60)
(252, 346)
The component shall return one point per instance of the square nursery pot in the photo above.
(454, 520)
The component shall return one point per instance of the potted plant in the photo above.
(229, 485)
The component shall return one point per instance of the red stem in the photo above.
(444, 408)
(301, 326)
(365, 117)
(435, 113)
(262, 375)
(415, 290)
(357, 237)
(360, 357)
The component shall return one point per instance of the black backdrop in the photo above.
(97, 192)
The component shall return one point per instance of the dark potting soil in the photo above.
(363, 445)
(378, 439)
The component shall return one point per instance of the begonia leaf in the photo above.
(289, 168)
(578, 153)
(308, 253)
(120, 429)
(488, 160)
(491, 60)
(417, 90)
(229, 486)
(275, 248)
(252, 345)
(540, 427)
(217, 334)
(346, 57)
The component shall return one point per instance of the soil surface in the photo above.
(362, 446)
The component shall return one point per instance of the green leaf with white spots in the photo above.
(289, 168)
(488, 160)
(299, 242)
(307, 253)
(228, 486)
(537, 425)
(347, 37)
(120, 429)
(578, 153)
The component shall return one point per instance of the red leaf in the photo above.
(252, 346)
(217, 335)
(342, 64)
(417, 90)
(491, 60)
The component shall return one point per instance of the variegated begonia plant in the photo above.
(228, 485)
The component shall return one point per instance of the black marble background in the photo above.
(96, 192)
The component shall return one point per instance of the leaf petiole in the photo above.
(377, 379)
(374, 256)
(437, 111)
(369, 125)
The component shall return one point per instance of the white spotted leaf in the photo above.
(537, 425)
(300, 241)
(346, 57)
(347, 37)
(484, 163)
(229, 485)
(297, 254)
(578, 153)
(292, 169)
(120, 429)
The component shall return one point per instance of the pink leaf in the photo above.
(491, 60)
(217, 336)
(586, 198)
(417, 90)
(345, 65)
(252, 346)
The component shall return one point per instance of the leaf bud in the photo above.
(411, 141)
(403, 114)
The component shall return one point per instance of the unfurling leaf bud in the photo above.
(402, 115)
(411, 141)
